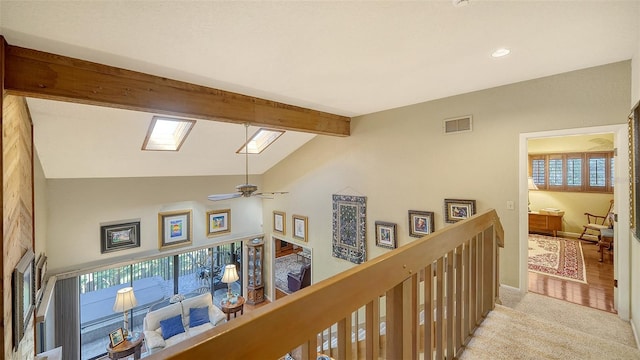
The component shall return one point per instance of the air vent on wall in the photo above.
(458, 125)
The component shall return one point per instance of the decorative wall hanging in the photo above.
(219, 222)
(300, 230)
(174, 229)
(349, 228)
(421, 223)
(279, 222)
(119, 236)
(456, 210)
(386, 234)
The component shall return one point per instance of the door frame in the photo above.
(274, 238)
(621, 270)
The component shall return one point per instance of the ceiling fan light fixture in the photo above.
(501, 52)
(459, 3)
(260, 141)
(167, 134)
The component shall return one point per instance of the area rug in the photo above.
(558, 257)
(283, 265)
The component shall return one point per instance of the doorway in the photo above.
(291, 267)
(620, 195)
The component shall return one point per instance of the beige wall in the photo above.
(574, 204)
(77, 207)
(401, 160)
(41, 216)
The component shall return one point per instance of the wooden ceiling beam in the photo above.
(43, 75)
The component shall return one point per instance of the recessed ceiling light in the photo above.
(501, 52)
(260, 140)
(167, 134)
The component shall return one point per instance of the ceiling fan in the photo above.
(246, 189)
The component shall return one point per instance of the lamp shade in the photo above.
(230, 274)
(531, 185)
(125, 300)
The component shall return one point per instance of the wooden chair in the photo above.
(595, 223)
(605, 242)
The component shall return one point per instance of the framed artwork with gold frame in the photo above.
(175, 228)
(279, 222)
(219, 222)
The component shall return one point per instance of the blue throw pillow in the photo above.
(171, 326)
(198, 316)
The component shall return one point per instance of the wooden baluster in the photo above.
(344, 338)
(458, 340)
(428, 339)
(410, 318)
(439, 309)
(450, 307)
(372, 330)
(487, 271)
(473, 286)
(394, 322)
(464, 336)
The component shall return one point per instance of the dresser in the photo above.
(545, 223)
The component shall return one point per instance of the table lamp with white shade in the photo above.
(230, 276)
(125, 301)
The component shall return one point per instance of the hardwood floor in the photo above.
(597, 293)
(249, 307)
(280, 294)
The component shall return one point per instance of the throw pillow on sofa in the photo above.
(198, 316)
(171, 326)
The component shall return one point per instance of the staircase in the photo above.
(539, 327)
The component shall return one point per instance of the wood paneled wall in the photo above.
(17, 211)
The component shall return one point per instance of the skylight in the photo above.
(260, 140)
(167, 134)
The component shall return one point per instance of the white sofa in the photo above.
(153, 331)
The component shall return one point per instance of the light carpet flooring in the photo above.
(538, 327)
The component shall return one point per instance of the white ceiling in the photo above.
(350, 58)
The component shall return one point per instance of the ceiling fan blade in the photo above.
(263, 196)
(217, 197)
(268, 195)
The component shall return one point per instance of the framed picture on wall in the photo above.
(40, 269)
(279, 223)
(23, 294)
(386, 235)
(219, 222)
(120, 235)
(300, 230)
(421, 223)
(456, 209)
(175, 229)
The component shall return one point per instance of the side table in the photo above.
(229, 308)
(127, 348)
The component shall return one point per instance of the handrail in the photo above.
(464, 254)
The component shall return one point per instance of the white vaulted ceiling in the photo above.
(349, 58)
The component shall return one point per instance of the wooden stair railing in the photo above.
(376, 309)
